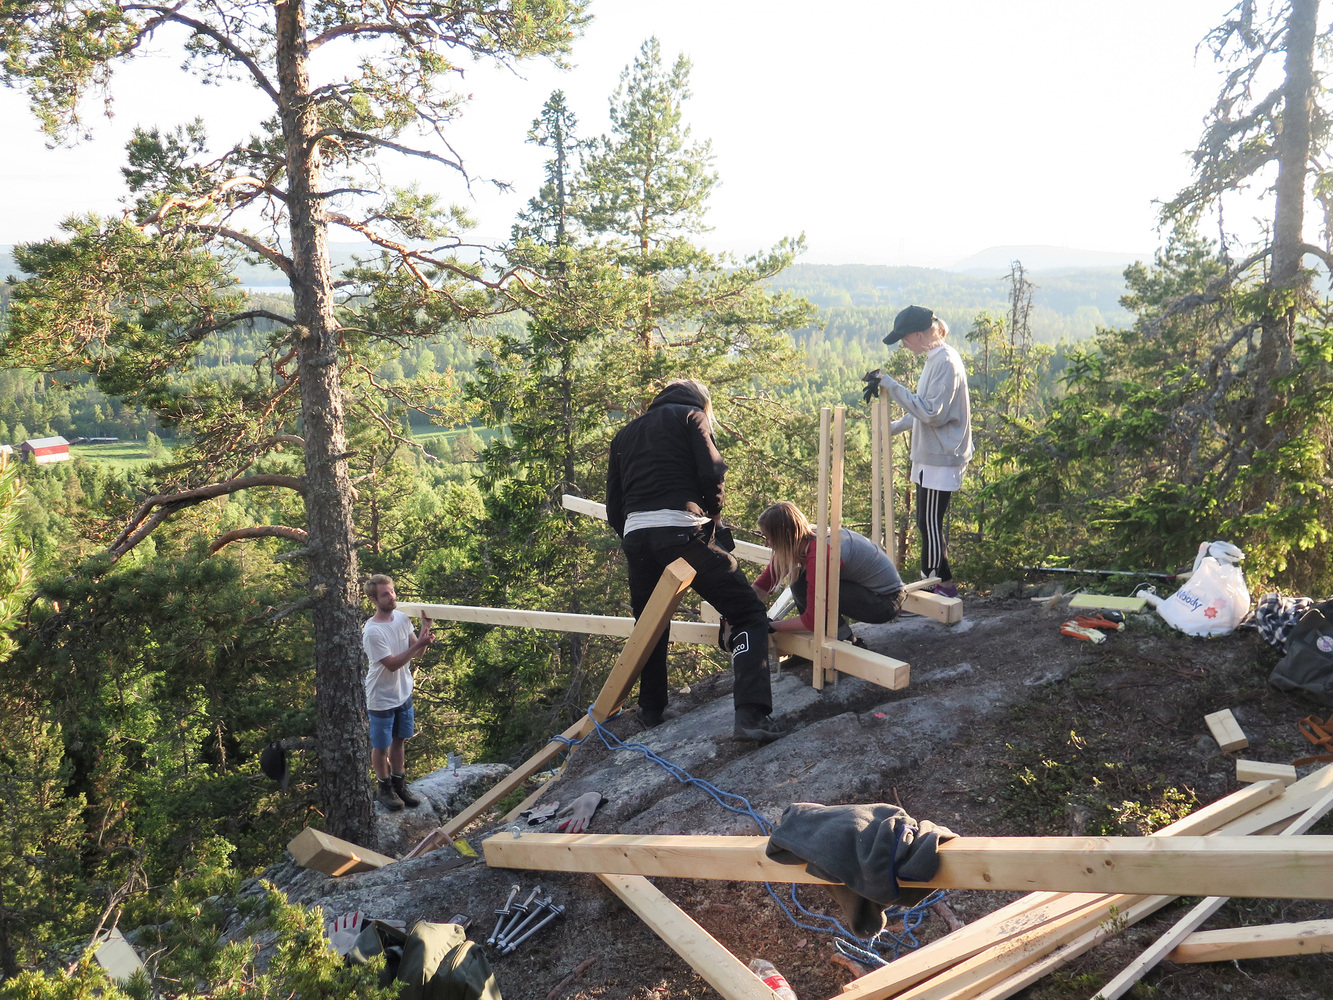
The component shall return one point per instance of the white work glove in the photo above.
(580, 812)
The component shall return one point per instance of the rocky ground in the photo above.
(1007, 728)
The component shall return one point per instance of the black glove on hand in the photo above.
(871, 379)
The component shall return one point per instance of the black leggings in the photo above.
(931, 506)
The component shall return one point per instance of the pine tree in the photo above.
(157, 293)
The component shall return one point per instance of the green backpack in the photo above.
(432, 961)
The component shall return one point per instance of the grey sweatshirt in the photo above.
(939, 412)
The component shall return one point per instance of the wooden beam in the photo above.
(1191, 922)
(748, 551)
(823, 659)
(874, 667)
(649, 628)
(877, 534)
(834, 596)
(321, 852)
(886, 470)
(1036, 909)
(1272, 867)
(701, 633)
(1226, 730)
(720, 968)
(1257, 770)
(948, 610)
(1307, 937)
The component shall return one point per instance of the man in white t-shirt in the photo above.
(390, 644)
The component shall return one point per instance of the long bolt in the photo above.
(556, 911)
(500, 915)
(518, 910)
(514, 929)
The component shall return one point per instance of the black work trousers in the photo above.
(720, 582)
(855, 601)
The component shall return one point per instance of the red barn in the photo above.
(43, 451)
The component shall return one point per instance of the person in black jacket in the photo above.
(664, 498)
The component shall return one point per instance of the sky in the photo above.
(887, 132)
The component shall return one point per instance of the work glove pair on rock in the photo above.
(578, 813)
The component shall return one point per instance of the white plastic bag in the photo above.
(1215, 598)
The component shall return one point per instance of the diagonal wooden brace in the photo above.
(650, 627)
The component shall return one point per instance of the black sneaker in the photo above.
(845, 633)
(751, 725)
(387, 797)
(648, 719)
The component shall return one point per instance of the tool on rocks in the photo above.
(529, 919)
(502, 914)
(1076, 631)
(518, 912)
(1102, 621)
(555, 912)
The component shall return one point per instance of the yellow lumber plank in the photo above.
(834, 596)
(823, 658)
(1226, 730)
(1306, 937)
(1108, 602)
(720, 968)
(1258, 770)
(321, 852)
(1272, 867)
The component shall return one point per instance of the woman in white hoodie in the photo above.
(939, 415)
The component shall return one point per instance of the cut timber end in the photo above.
(1255, 770)
(1226, 730)
(317, 850)
(1309, 937)
(948, 610)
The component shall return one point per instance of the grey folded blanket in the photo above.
(867, 848)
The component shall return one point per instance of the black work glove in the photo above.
(871, 379)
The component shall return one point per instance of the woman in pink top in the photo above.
(869, 588)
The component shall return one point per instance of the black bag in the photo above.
(432, 961)
(1308, 665)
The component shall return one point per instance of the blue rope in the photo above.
(865, 950)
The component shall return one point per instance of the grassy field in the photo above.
(124, 455)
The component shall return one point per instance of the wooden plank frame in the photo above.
(834, 539)
(1306, 937)
(1282, 867)
(665, 598)
(947, 610)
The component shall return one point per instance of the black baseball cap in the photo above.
(913, 319)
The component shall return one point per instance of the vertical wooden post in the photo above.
(886, 470)
(822, 657)
(834, 539)
(876, 464)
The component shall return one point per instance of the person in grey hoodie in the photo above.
(939, 415)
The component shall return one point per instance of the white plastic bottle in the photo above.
(772, 978)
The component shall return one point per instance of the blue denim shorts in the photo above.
(389, 724)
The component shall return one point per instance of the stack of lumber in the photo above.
(1011, 948)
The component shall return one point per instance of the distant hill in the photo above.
(859, 301)
(1070, 301)
(1043, 258)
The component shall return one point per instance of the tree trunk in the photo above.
(1293, 159)
(339, 696)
